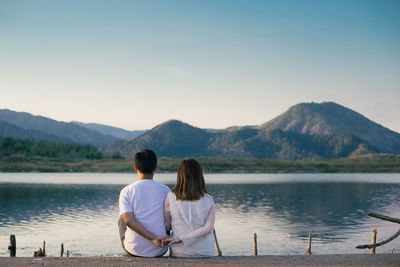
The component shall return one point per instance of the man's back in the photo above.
(145, 199)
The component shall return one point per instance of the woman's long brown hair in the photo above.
(190, 184)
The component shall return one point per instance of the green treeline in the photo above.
(372, 164)
(23, 155)
(11, 148)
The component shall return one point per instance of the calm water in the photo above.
(81, 211)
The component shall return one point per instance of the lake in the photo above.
(80, 210)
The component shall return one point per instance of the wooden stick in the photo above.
(383, 217)
(309, 243)
(380, 243)
(219, 252)
(38, 253)
(13, 246)
(62, 250)
(44, 248)
(67, 253)
(374, 240)
(255, 245)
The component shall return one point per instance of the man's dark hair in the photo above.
(145, 161)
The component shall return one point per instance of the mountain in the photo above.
(63, 130)
(112, 131)
(330, 118)
(177, 139)
(306, 130)
(290, 145)
(10, 130)
(172, 138)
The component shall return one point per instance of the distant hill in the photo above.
(306, 130)
(172, 138)
(177, 139)
(289, 145)
(331, 118)
(10, 130)
(63, 130)
(112, 131)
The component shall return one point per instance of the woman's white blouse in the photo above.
(193, 223)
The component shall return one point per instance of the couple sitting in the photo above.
(149, 210)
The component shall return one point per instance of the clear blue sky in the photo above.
(213, 64)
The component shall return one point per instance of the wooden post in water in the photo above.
(309, 243)
(41, 252)
(67, 253)
(255, 245)
(38, 253)
(13, 246)
(219, 252)
(374, 240)
(62, 250)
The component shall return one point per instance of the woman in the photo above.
(190, 213)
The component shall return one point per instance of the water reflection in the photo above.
(21, 203)
(333, 204)
(84, 216)
(285, 213)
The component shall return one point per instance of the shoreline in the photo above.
(211, 165)
(224, 172)
(292, 260)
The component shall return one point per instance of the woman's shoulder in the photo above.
(208, 197)
(170, 194)
(171, 197)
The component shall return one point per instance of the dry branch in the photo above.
(383, 217)
(380, 243)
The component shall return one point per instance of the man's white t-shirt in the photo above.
(145, 198)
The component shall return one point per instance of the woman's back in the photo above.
(192, 222)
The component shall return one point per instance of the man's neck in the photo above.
(145, 176)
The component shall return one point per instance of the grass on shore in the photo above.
(210, 165)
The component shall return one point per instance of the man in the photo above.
(141, 205)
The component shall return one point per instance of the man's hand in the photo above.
(130, 222)
(159, 241)
(170, 241)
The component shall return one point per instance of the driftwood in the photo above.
(380, 243)
(385, 218)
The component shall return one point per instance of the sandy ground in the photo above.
(314, 260)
